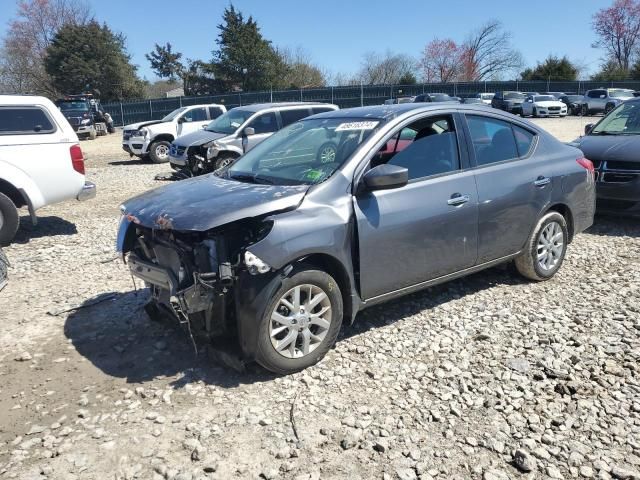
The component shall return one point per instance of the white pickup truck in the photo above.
(153, 139)
(40, 160)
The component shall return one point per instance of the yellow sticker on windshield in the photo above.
(356, 126)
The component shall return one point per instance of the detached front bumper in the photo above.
(88, 191)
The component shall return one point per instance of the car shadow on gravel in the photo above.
(609, 226)
(46, 227)
(114, 333)
(395, 310)
(137, 161)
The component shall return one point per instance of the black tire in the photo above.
(528, 264)
(159, 151)
(111, 128)
(585, 110)
(224, 160)
(9, 220)
(266, 353)
(535, 113)
(608, 108)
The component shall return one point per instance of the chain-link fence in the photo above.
(128, 112)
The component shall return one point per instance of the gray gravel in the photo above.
(488, 377)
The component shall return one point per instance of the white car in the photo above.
(153, 139)
(41, 161)
(486, 97)
(543, 106)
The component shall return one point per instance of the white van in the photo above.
(40, 160)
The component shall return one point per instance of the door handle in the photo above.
(457, 199)
(542, 181)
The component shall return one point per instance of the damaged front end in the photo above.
(193, 276)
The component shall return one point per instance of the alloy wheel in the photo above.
(328, 154)
(162, 151)
(300, 321)
(550, 246)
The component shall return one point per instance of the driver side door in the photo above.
(427, 228)
(264, 125)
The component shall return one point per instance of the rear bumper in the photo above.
(88, 191)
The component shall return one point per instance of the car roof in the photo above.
(256, 107)
(388, 112)
(24, 100)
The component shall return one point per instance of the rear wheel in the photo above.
(159, 151)
(546, 248)
(300, 323)
(9, 220)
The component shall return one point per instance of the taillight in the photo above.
(77, 159)
(586, 163)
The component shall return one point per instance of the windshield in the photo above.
(624, 120)
(66, 106)
(174, 114)
(620, 93)
(229, 122)
(304, 153)
(544, 98)
(514, 95)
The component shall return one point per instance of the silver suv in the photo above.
(603, 100)
(236, 132)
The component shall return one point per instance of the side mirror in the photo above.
(385, 177)
(247, 132)
(181, 120)
(587, 128)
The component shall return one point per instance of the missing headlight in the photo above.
(254, 265)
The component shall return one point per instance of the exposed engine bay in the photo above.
(192, 275)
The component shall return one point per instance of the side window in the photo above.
(291, 116)
(24, 120)
(214, 112)
(426, 147)
(265, 123)
(196, 115)
(493, 140)
(524, 140)
(321, 110)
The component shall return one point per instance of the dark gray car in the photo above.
(281, 247)
(613, 145)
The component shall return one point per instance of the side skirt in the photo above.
(435, 281)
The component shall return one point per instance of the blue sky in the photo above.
(336, 33)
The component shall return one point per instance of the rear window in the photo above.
(215, 112)
(321, 110)
(25, 121)
(524, 140)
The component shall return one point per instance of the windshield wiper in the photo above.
(251, 178)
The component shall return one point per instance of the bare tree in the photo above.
(385, 69)
(441, 61)
(618, 31)
(487, 53)
(29, 35)
(301, 71)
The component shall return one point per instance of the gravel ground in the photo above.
(488, 377)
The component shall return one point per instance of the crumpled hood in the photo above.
(202, 203)
(198, 137)
(139, 125)
(625, 148)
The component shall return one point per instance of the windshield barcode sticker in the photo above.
(357, 126)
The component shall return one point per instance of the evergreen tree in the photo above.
(165, 62)
(245, 59)
(92, 57)
(554, 69)
(611, 71)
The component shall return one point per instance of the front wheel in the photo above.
(159, 151)
(224, 161)
(301, 322)
(9, 220)
(546, 248)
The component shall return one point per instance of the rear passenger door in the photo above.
(597, 100)
(514, 185)
(192, 120)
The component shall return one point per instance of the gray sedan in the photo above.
(279, 249)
